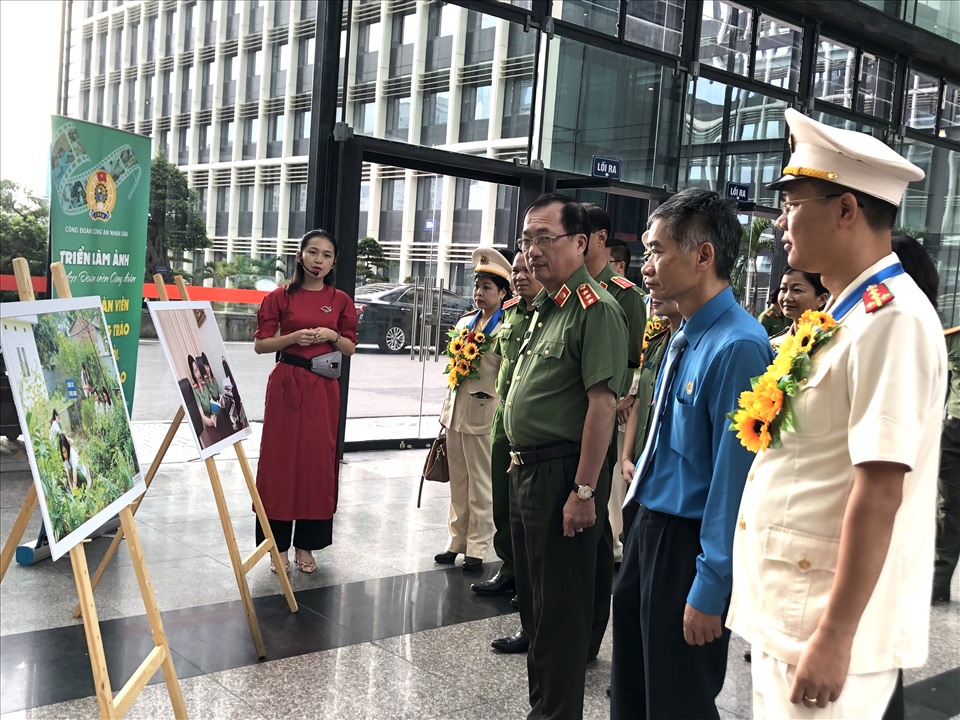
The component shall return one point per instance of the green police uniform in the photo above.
(516, 318)
(774, 322)
(628, 295)
(948, 485)
(577, 339)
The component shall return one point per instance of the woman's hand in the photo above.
(326, 335)
(307, 336)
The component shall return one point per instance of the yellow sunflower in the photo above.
(453, 378)
(767, 400)
(463, 367)
(470, 351)
(456, 346)
(753, 433)
(804, 337)
(464, 332)
(823, 320)
(480, 338)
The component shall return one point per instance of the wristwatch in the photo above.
(584, 492)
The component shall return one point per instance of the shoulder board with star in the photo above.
(875, 297)
(587, 295)
(511, 302)
(621, 281)
(562, 294)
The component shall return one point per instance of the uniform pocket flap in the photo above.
(550, 348)
(802, 550)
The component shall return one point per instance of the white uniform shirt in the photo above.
(874, 393)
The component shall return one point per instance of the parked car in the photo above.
(385, 314)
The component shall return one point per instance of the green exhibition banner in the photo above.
(99, 202)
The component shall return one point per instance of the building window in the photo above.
(166, 95)
(875, 93)
(279, 60)
(101, 54)
(369, 37)
(169, 34)
(271, 210)
(305, 52)
(115, 103)
(209, 24)
(297, 218)
(436, 106)
(186, 88)
(183, 142)
(301, 132)
(117, 49)
(725, 36)
(256, 17)
(275, 126)
(364, 118)
(226, 141)
(251, 133)
(922, 95)
(206, 85)
(130, 89)
(398, 118)
(99, 104)
(441, 24)
(86, 56)
(233, 20)
(481, 34)
(599, 15)
(836, 65)
(474, 113)
(203, 143)
(281, 13)
(403, 37)
(391, 207)
(245, 214)
(133, 40)
(188, 27)
(151, 38)
(517, 99)
(778, 54)
(655, 23)
(254, 71)
(230, 80)
(223, 211)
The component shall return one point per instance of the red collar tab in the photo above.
(875, 297)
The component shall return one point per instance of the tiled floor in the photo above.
(382, 632)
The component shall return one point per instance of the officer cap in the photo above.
(851, 159)
(487, 260)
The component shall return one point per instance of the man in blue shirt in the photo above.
(669, 642)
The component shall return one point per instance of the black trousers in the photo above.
(603, 584)
(555, 578)
(948, 521)
(308, 535)
(500, 461)
(656, 674)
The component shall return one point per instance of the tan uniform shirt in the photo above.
(874, 393)
(462, 410)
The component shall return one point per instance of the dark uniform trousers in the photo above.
(948, 524)
(656, 674)
(555, 578)
(603, 584)
(500, 461)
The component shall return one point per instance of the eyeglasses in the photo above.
(787, 205)
(541, 241)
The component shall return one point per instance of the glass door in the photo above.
(418, 231)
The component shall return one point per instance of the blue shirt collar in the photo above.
(704, 318)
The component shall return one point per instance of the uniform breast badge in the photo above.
(587, 295)
(875, 297)
(327, 309)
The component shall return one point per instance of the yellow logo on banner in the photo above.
(101, 195)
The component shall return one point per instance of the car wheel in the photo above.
(394, 339)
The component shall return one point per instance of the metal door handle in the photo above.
(436, 351)
(413, 315)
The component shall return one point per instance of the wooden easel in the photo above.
(240, 566)
(159, 657)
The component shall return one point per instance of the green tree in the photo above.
(24, 230)
(752, 243)
(174, 224)
(370, 260)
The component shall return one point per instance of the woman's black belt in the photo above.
(527, 455)
(294, 360)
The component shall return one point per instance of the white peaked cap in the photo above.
(852, 159)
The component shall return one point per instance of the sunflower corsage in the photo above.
(465, 348)
(767, 408)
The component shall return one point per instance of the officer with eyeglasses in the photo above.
(559, 417)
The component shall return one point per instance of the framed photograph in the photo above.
(73, 413)
(198, 359)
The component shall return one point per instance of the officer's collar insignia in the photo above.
(875, 297)
(622, 282)
(562, 294)
(602, 284)
(511, 302)
(588, 296)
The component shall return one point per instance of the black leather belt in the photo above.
(294, 360)
(527, 455)
(952, 421)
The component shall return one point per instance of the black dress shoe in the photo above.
(472, 564)
(497, 585)
(516, 643)
(514, 603)
(445, 558)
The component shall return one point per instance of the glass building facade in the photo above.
(680, 92)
